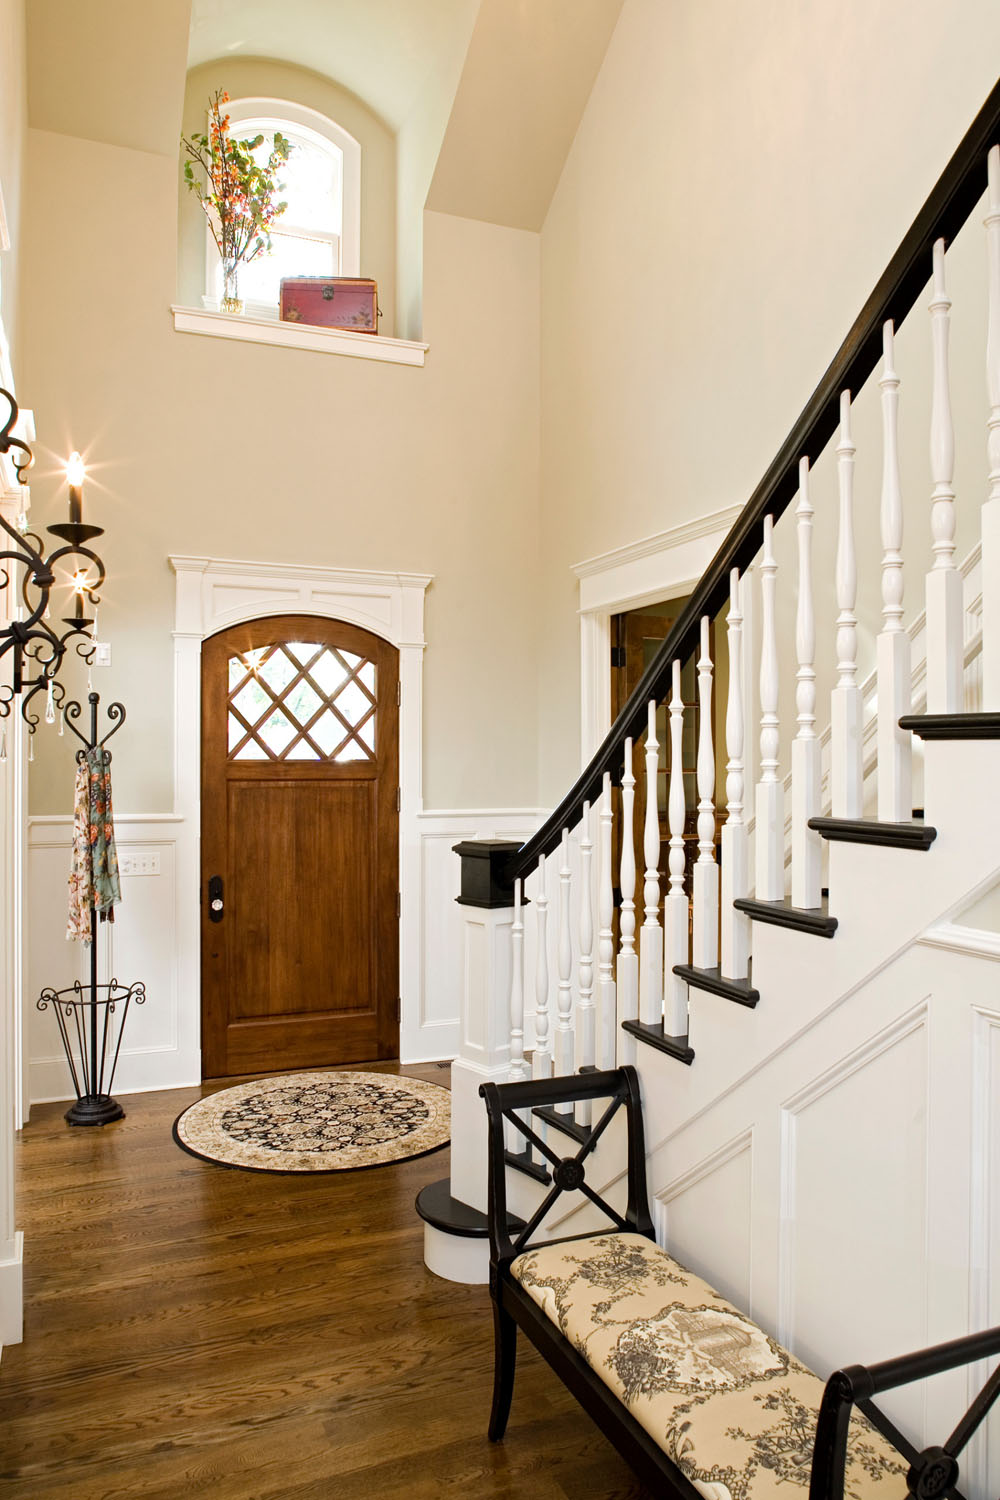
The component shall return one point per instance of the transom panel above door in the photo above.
(300, 775)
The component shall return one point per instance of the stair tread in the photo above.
(977, 726)
(655, 1036)
(740, 990)
(911, 833)
(812, 919)
(437, 1207)
(522, 1161)
(564, 1122)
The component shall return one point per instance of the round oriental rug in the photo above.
(317, 1122)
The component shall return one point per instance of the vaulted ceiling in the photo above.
(385, 51)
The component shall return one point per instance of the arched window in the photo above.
(319, 234)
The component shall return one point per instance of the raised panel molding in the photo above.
(852, 1204)
(690, 1208)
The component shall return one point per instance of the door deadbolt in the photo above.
(216, 904)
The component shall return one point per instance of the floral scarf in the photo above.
(93, 876)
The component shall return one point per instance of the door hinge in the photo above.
(399, 800)
(399, 693)
(617, 656)
(398, 904)
(399, 1010)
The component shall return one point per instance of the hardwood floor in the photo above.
(190, 1329)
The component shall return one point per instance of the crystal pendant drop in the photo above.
(3, 744)
(62, 726)
(31, 747)
(50, 708)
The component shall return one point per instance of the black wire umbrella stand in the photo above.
(86, 1014)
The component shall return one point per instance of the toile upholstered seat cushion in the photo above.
(732, 1409)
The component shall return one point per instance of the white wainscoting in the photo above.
(846, 1191)
(160, 1044)
(161, 1047)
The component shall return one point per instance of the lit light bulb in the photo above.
(75, 473)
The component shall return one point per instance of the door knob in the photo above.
(216, 904)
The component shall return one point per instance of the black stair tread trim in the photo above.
(953, 726)
(564, 1122)
(740, 990)
(521, 1162)
(783, 914)
(914, 834)
(654, 1036)
(437, 1207)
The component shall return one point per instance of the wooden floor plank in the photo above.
(257, 1337)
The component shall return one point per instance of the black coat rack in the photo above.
(86, 1015)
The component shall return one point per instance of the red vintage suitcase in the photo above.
(349, 302)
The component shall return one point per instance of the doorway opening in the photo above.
(636, 636)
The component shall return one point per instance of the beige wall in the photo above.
(740, 178)
(258, 77)
(213, 447)
(417, 145)
(13, 125)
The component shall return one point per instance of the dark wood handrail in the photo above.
(955, 195)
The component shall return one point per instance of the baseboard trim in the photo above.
(12, 1294)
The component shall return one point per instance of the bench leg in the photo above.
(504, 1356)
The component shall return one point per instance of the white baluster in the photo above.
(845, 702)
(586, 1014)
(991, 510)
(651, 945)
(628, 959)
(735, 956)
(944, 582)
(770, 809)
(541, 1058)
(705, 937)
(806, 772)
(607, 997)
(675, 906)
(565, 1061)
(895, 801)
(519, 1069)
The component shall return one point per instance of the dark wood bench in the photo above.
(699, 1400)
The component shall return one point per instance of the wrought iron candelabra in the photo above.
(87, 1015)
(38, 649)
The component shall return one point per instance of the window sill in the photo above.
(298, 336)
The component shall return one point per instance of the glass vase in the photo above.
(231, 301)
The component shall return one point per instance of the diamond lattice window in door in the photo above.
(301, 701)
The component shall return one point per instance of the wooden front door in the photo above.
(300, 847)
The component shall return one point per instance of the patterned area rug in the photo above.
(317, 1122)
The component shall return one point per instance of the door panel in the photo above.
(300, 776)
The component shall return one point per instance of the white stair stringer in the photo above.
(883, 899)
(845, 1134)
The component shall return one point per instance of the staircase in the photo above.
(817, 1030)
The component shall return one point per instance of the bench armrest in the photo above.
(934, 1471)
(513, 1102)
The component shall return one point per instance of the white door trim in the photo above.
(665, 566)
(213, 593)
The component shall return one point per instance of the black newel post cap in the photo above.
(483, 861)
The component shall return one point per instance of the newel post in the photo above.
(487, 905)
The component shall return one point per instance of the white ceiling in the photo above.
(388, 52)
